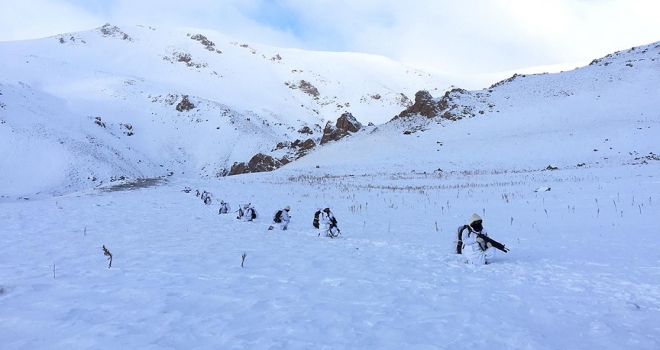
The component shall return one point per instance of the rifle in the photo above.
(493, 243)
(333, 235)
(333, 224)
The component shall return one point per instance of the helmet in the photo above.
(222, 202)
(474, 218)
(246, 206)
(287, 208)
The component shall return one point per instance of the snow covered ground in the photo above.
(583, 271)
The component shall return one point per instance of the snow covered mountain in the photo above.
(562, 167)
(84, 108)
(604, 114)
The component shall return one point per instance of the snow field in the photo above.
(582, 272)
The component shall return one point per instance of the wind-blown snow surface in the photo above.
(583, 271)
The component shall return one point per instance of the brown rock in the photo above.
(346, 124)
(425, 105)
(185, 104)
(258, 163)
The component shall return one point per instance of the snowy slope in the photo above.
(246, 97)
(607, 113)
(104, 102)
(582, 271)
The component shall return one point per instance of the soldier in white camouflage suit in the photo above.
(474, 249)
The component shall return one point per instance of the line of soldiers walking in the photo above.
(324, 219)
(473, 242)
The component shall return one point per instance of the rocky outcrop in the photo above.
(345, 125)
(348, 122)
(303, 147)
(507, 80)
(305, 87)
(332, 133)
(424, 105)
(108, 30)
(296, 149)
(259, 163)
(208, 44)
(446, 107)
(185, 104)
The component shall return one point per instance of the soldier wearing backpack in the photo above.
(224, 208)
(207, 199)
(328, 223)
(241, 211)
(474, 248)
(282, 218)
(249, 213)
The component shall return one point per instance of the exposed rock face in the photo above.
(305, 87)
(185, 104)
(332, 133)
(348, 122)
(508, 80)
(208, 44)
(238, 168)
(298, 147)
(108, 30)
(424, 105)
(306, 130)
(303, 147)
(345, 125)
(445, 107)
(259, 163)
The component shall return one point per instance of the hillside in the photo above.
(86, 108)
(563, 168)
(604, 114)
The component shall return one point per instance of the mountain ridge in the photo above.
(240, 100)
(84, 109)
(507, 127)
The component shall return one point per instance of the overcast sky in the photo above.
(461, 37)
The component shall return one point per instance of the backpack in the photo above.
(254, 214)
(315, 223)
(459, 236)
(278, 217)
(240, 213)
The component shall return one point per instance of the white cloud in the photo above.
(474, 36)
(227, 16)
(31, 19)
(468, 36)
